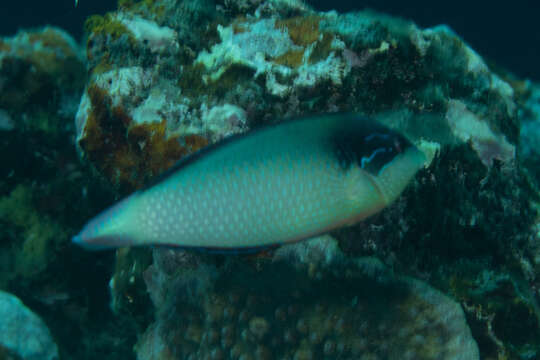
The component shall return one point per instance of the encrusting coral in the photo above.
(321, 311)
(168, 78)
(42, 74)
(45, 194)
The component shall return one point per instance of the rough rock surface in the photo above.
(23, 332)
(42, 75)
(46, 194)
(169, 77)
(325, 306)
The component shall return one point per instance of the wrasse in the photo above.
(271, 186)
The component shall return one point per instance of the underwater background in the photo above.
(99, 98)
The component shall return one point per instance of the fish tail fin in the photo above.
(109, 229)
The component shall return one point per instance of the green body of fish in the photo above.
(271, 186)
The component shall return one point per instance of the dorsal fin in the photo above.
(191, 158)
(346, 118)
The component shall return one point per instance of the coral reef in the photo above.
(530, 134)
(460, 248)
(42, 74)
(273, 60)
(22, 332)
(167, 79)
(46, 193)
(321, 310)
(40, 237)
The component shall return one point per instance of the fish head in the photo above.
(394, 177)
(378, 162)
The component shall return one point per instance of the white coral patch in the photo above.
(332, 68)
(82, 116)
(224, 120)
(157, 38)
(466, 126)
(249, 48)
(123, 82)
(260, 42)
(321, 251)
(274, 87)
(476, 65)
(150, 110)
(119, 84)
(23, 332)
(158, 107)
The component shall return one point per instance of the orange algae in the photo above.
(126, 154)
(143, 7)
(302, 30)
(106, 26)
(157, 151)
(238, 28)
(291, 58)
(4, 47)
(322, 49)
(103, 65)
(240, 24)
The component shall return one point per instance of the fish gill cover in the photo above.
(167, 78)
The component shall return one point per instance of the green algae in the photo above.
(450, 241)
(107, 25)
(151, 8)
(191, 80)
(33, 245)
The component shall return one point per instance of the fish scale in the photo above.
(271, 186)
(270, 207)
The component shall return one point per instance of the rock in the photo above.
(42, 75)
(162, 100)
(362, 302)
(204, 72)
(23, 332)
(259, 327)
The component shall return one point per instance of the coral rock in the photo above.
(23, 332)
(42, 74)
(398, 315)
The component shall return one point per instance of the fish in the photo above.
(268, 187)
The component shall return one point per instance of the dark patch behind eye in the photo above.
(370, 145)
